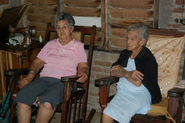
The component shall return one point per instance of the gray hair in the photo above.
(143, 31)
(64, 16)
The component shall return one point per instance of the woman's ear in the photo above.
(72, 29)
(143, 41)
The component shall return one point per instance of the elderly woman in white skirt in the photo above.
(138, 71)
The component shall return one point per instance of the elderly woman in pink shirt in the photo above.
(59, 57)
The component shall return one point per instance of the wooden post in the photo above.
(59, 6)
(156, 14)
(103, 23)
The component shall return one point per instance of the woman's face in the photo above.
(63, 30)
(133, 42)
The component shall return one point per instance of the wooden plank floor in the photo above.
(96, 118)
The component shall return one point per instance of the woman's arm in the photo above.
(82, 71)
(36, 65)
(135, 77)
(118, 71)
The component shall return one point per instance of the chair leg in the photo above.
(179, 110)
(66, 96)
(173, 105)
(12, 117)
(103, 98)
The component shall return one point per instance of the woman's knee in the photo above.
(107, 119)
(22, 105)
(46, 105)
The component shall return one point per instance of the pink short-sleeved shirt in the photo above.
(61, 60)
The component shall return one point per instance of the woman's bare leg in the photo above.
(23, 113)
(107, 119)
(45, 113)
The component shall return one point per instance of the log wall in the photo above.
(40, 13)
(122, 13)
(116, 16)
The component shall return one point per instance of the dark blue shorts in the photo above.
(47, 88)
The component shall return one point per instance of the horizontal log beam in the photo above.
(131, 13)
(117, 32)
(117, 43)
(82, 11)
(40, 18)
(141, 4)
(43, 2)
(82, 3)
(124, 23)
(37, 9)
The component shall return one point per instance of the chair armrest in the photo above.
(70, 78)
(106, 81)
(11, 72)
(176, 92)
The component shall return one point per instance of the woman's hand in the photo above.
(136, 75)
(83, 77)
(35, 66)
(83, 69)
(26, 80)
(134, 81)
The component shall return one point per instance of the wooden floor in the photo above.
(96, 118)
